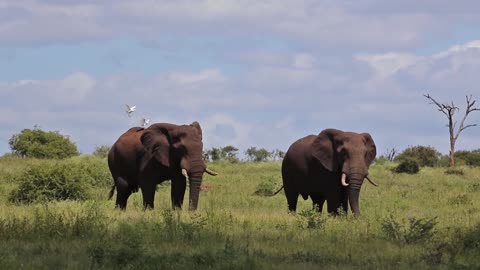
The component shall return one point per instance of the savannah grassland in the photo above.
(430, 220)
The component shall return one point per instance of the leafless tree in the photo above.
(449, 111)
(390, 154)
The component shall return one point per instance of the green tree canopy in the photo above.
(37, 143)
(422, 155)
(471, 158)
(257, 155)
(101, 151)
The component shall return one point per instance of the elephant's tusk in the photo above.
(207, 170)
(371, 182)
(344, 178)
(184, 173)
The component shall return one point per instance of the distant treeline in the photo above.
(36, 143)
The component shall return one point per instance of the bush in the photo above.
(60, 180)
(101, 151)
(418, 230)
(48, 182)
(311, 219)
(92, 170)
(266, 188)
(422, 155)
(37, 143)
(471, 158)
(453, 171)
(407, 166)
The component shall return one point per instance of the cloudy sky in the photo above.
(252, 72)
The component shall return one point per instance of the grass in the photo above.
(430, 220)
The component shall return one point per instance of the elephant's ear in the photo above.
(157, 145)
(323, 149)
(196, 125)
(371, 148)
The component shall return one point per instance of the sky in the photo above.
(258, 73)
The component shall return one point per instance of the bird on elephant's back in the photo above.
(330, 166)
(144, 157)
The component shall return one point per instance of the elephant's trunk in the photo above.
(353, 196)
(195, 184)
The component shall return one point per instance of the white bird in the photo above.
(145, 122)
(130, 110)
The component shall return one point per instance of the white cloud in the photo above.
(72, 89)
(336, 24)
(387, 64)
(475, 44)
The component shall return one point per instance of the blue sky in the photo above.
(253, 73)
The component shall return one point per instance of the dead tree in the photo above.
(390, 154)
(449, 111)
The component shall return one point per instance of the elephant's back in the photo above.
(123, 155)
(297, 154)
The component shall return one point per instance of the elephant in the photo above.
(331, 167)
(144, 157)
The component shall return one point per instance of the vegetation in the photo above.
(449, 110)
(229, 153)
(59, 180)
(422, 155)
(37, 143)
(471, 158)
(101, 151)
(430, 220)
(408, 166)
(257, 155)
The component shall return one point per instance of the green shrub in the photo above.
(60, 180)
(407, 166)
(422, 155)
(471, 158)
(417, 230)
(91, 170)
(37, 143)
(453, 171)
(47, 182)
(101, 151)
(266, 188)
(311, 219)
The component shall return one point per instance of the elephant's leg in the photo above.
(333, 203)
(344, 200)
(292, 199)
(179, 186)
(318, 201)
(123, 192)
(148, 192)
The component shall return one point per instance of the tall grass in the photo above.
(430, 220)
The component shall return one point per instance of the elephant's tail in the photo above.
(112, 190)
(276, 192)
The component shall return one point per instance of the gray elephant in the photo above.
(329, 167)
(142, 158)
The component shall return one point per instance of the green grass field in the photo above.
(430, 220)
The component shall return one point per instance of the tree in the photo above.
(230, 152)
(278, 154)
(422, 155)
(101, 151)
(37, 143)
(215, 154)
(257, 155)
(471, 158)
(390, 154)
(449, 111)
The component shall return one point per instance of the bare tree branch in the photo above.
(449, 111)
